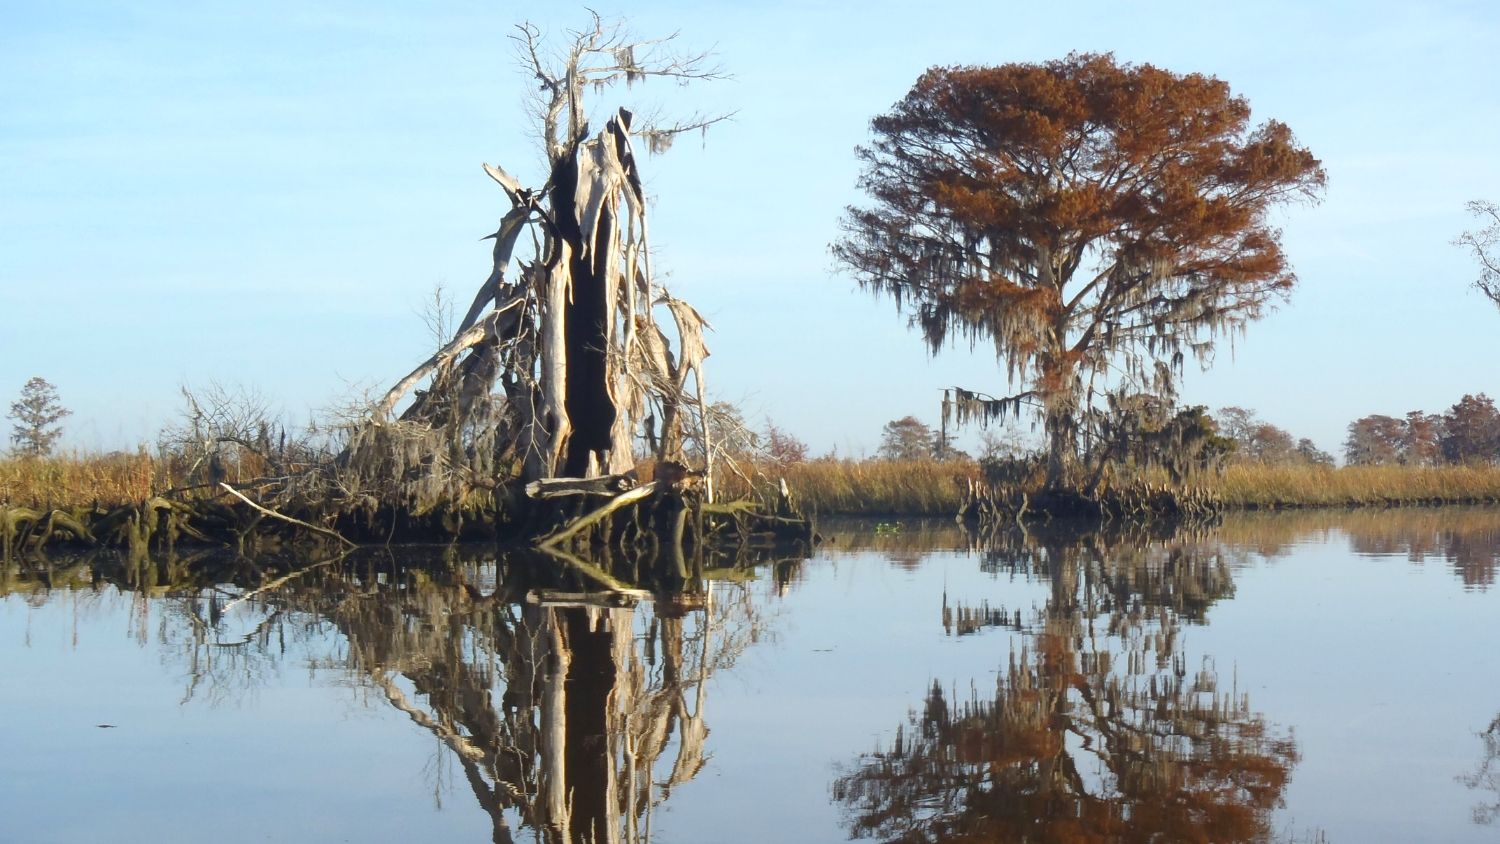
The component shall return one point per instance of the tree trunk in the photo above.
(1059, 424)
(586, 324)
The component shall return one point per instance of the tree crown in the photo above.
(36, 415)
(908, 438)
(1088, 217)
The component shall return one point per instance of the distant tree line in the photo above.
(1258, 441)
(1469, 432)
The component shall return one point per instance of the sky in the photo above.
(265, 195)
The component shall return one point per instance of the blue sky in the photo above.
(265, 194)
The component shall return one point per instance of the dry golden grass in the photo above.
(1349, 486)
(77, 480)
(883, 487)
(853, 487)
(869, 487)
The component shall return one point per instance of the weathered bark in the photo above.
(573, 342)
(1061, 431)
(605, 485)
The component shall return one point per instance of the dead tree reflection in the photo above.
(571, 715)
(1097, 729)
(578, 718)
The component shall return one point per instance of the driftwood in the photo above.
(667, 524)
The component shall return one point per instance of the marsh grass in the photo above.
(869, 487)
(73, 481)
(826, 487)
(929, 488)
(1259, 486)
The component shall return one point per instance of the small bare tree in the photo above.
(229, 433)
(1483, 243)
(37, 414)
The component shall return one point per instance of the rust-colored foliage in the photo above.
(1096, 731)
(1079, 213)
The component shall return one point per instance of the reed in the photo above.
(868, 487)
(1278, 486)
(829, 487)
(77, 480)
(929, 488)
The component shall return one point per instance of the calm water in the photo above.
(1305, 677)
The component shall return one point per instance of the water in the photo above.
(1293, 677)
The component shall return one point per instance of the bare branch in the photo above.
(466, 339)
(265, 511)
(602, 56)
(1483, 243)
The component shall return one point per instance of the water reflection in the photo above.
(572, 714)
(566, 717)
(1097, 729)
(1467, 539)
(1486, 776)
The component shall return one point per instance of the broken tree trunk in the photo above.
(570, 363)
(560, 366)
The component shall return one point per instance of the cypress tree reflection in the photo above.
(1096, 730)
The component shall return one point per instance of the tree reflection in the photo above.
(1466, 538)
(576, 715)
(1096, 730)
(1468, 542)
(571, 714)
(1486, 776)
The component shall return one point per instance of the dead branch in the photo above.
(620, 501)
(1483, 243)
(467, 339)
(288, 519)
(556, 487)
